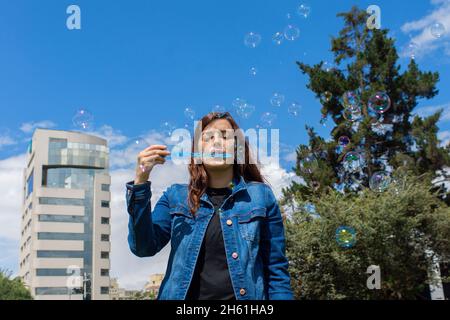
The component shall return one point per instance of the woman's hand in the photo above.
(147, 159)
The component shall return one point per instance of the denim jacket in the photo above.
(253, 234)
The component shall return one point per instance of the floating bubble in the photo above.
(218, 108)
(277, 99)
(308, 164)
(352, 115)
(268, 118)
(352, 161)
(83, 119)
(288, 16)
(291, 32)
(437, 30)
(323, 120)
(253, 71)
(328, 66)
(412, 49)
(343, 141)
(238, 102)
(189, 113)
(380, 181)
(252, 39)
(245, 110)
(326, 96)
(351, 100)
(294, 109)
(277, 38)
(304, 10)
(167, 128)
(379, 102)
(345, 236)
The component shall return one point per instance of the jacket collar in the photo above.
(238, 184)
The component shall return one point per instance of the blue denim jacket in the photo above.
(253, 234)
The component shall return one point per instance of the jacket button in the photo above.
(234, 255)
(229, 222)
(242, 291)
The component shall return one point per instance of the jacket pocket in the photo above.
(250, 223)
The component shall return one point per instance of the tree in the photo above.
(374, 176)
(12, 289)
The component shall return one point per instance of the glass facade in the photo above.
(62, 152)
(52, 291)
(30, 181)
(73, 166)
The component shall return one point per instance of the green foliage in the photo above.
(12, 289)
(394, 230)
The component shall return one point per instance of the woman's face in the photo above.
(217, 143)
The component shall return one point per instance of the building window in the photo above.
(104, 272)
(60, 236)
(60, 218)
(104, 255)
(61, 201)
(105, 237)
(105, 187)
(105, 220)
(104, 290)
(105, 204)
(52, 291)
(59, 254)
(57, 272)
(30, 183)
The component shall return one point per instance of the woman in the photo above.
(225, 227)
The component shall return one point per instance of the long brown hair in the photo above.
(198, 177)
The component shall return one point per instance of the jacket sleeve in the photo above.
(148, 232)
(273, 248)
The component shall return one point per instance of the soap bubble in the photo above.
(379, 181)
(218, 108)
(252, 39)
(253, 71)
(352, 161)
(328, 66)
(343, 141)
(379, 102)
(352, 115)
(277, 99)
(308, 164)
(277, 38)
(245, 110)
(167, 128)
(304, 10)
(437, 30)
(238, 103)
(268, 118)
(189, 113)
(83, 119)
(294, 109)
(327, 95)
(351, 100)
(345, 236)
(412, 49)
(291, 32)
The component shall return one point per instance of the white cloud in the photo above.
(429, 110)
(444, 137)
(426, 42)
(6, 140)
(29, 127)
(114, 137)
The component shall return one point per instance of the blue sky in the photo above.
(135, 64)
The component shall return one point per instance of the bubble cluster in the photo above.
(252, 39)
(379, 181)
(345, 236)
(83, 119)
(245, 110)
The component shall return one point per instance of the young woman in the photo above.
(225, 226)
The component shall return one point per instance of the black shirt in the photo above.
(211, 279)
